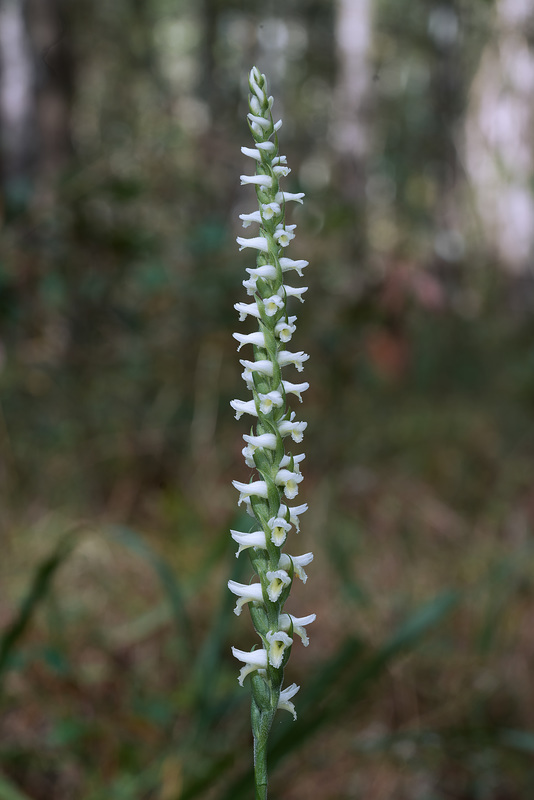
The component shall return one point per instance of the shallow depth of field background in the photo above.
(408, 123)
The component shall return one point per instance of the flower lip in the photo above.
(285, 698)
(299, 624)
(257, 243)
(246, 593)
(252, 489)
(246, 540)
(298, 563)
(278, 580)
(278, 642)
(254, 660)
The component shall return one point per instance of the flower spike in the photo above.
(277, 477)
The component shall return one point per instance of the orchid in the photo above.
(278, 475)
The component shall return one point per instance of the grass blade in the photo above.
(8, 790)
(39, 586)
(135, 542)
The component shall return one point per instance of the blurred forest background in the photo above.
(408, 123)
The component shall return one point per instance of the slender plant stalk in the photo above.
(276, 475)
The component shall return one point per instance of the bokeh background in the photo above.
(408, 123)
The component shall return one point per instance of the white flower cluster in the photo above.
(278, 475)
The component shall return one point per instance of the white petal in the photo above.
(248, 219)
(257, 243)
(273, 304)
(294, 513)
(279, 528)
(246, 490)
(247, 308)
(270, 400)
(244, 407)
(290, 263)
(267, 271)
(284, 331)
(298, 563)
(296, 292)
(259, 180)
(266, 440)
(251, 152)
(256, 338)
(295, 388)
(246, 593)
(285, 697)
(257, 659)
(262, 366)
(284, 197)
(299, 625)
(257, 120)
(278, 580)
(278, 641)
(246, 540)
(286, 357)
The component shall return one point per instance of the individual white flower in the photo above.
(265, 440)
(247, 308)
(270, 400)
(258, 180)
(248, 219)
(290, 481)
(290, 263)
(252, 489)
(281, 171)
(266, 271)
(278, 580)
(256, 338)
(248, 455)
(285, 698)
(273, 304)
(263, 366)
(299, 625)
(288, 427)
(279, 528)
(250, 286)
(277, 125)
(246, 540)
(257, 120)
(246, 593)
(285, 330)
(244, 407)
(283, 235)
(270, 210)
(295, 388)
(298, 563)
(286, 461)
(297, 292)
(279, 160)
(278, 642)
(254, 104)
(285, 357)
(285, 197)
(267, 146)
(257, 243)
(257, 659)
(251, 152)
(294, 514)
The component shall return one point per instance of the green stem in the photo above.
(261, 725)
(260, 768)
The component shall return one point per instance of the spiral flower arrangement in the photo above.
(277, 473)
